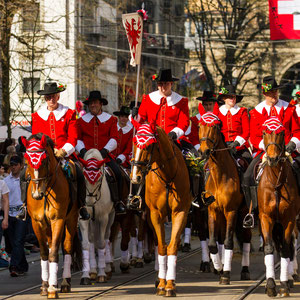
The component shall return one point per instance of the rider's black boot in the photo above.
(250, 193)
(84, 215)
(120, 208)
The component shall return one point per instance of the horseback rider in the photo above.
(98, 129)
(235, 123)
(271, 106)
(59, 123)
(125, 135)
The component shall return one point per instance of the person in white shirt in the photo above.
(4, 207)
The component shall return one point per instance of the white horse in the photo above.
(95, 232)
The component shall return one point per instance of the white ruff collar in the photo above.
(102, 117)
(126, 128)
(171, 100)
(278, 106)
(44, 113)
(233, 110)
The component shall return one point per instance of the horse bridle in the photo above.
(93, 194)
(36, 180)
(280, 147)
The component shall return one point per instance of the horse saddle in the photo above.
(242, 164)
(258, 170)
(69, 169)
(126, 172)
(109, 174)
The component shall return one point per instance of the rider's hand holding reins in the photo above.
(118, 161)
(104, 152)
(60, 153)
(172, 135)
(82, 152)
(232, 146)
(290, 147)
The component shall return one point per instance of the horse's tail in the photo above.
(77, 253)
(277, 234)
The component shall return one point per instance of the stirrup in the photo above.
(134, 202)
(248, 221)
(22, 212)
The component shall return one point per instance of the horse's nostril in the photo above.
(139, 178)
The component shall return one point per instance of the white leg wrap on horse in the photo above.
(108, 258)
(269, 263)
(227, 260)
(101, 258)
(221, 252)
(246, 255)
(156, 266)
(124, 256)
(53, 267)
(284, 269)
(171, 272)
(216, 261)
(205, 251)
(85, 261)
(187, 235)
(134, 246)
(140, 250)
(93, 262)
(67, 266)
(162, 263)
(45, 270)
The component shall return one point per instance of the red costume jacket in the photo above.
(97, 132)
(124, 147)
(193, 131)
(285, 112)
(59, 125)
(171, 113)
(235, 125)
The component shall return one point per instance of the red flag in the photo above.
(284, 18)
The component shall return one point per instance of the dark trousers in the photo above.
(16, 231)
(118, 173)
(81, 188)
(245, 154)
(249, 179)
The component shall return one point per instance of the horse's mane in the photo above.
(38, 137)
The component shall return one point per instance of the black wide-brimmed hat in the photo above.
(270, 84)
(164, 75)
(229, 90)
(124, 111)
(208, 96)
(95, 95)
(132, 104)
(51, 88)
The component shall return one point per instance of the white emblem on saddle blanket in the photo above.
(144, 136)
(35, 154)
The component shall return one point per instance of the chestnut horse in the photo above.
(167, 188)
(224, 184)
(52, 216)
(278, 204)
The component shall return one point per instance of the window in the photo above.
(29, 82)
(31, 18)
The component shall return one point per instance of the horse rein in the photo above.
(97, 189)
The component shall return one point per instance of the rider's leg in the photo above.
(116, 187)
(296, 170)
(249, 188)
(81, 193)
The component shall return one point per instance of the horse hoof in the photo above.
(271, 288)
(85, 281)
(101, 279)
(93, 276)
(124, 267)
(65, 289)
(225, 278)
(108, 275)
(44, 291)
(170, 293)
(113, 269)
(52, 294)
(160, 292)
(205, 267)
(139, 264)
(284, 292)
(133, 261)
(295, 277)
(147, 258)
(245, 274)
(156, 282)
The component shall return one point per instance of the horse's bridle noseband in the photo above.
(280, 147)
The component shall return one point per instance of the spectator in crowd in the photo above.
(4, 207)
(16, 228)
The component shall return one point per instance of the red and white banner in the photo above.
(133, 24)
(284, 18)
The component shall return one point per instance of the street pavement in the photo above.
(139, 283)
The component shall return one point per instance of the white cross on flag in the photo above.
(284, 18)
(133, 24)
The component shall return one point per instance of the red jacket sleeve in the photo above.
(245, 124)
(72, 128)
(295, 128)
(143, 110)
(183, 119)
(256, 129)
(34, 127)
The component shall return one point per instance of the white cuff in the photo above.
(111, 145)
(68, 148)
(241, 140)
(122, 157)
(188, 130)
(178, 131)
(137, 118)
(80, 145)
(296, 141)
(261, 145)
(197, 147)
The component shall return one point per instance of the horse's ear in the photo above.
(216, 109)
(201, 109)
(24, 141)
(43, 141)
(83, 162)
